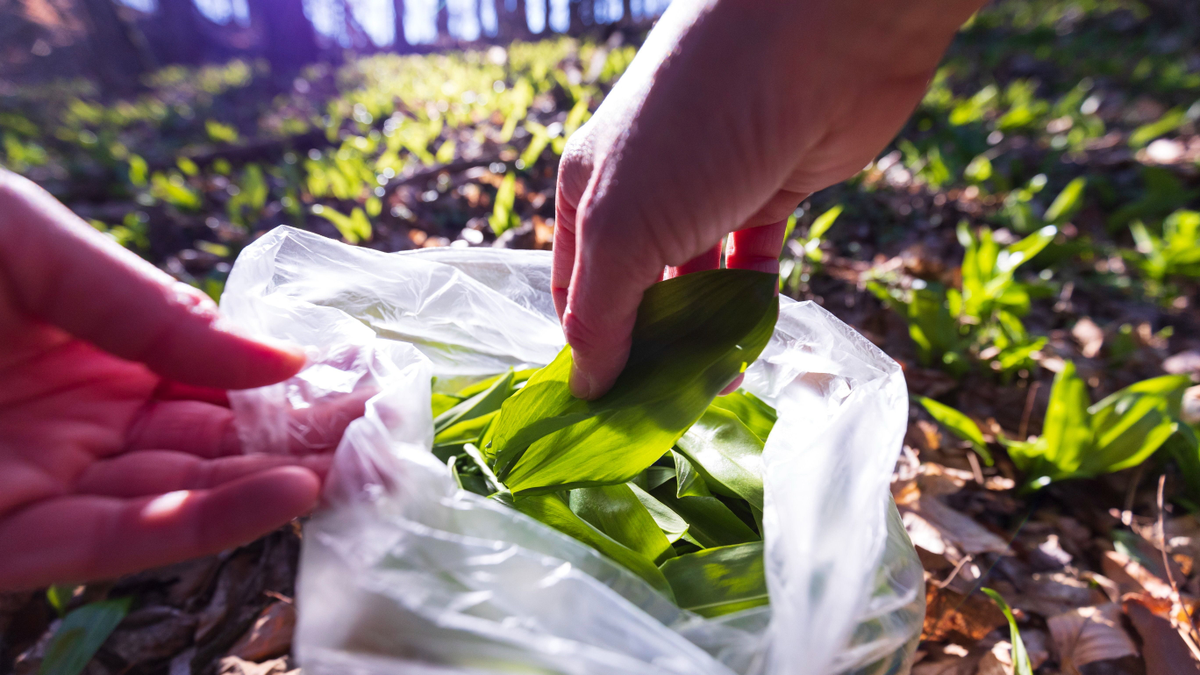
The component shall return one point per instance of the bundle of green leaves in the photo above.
(660, 475)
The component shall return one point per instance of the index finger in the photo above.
(62, 271)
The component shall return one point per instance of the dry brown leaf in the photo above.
(1089, 634)
(1183, 363)
(271, 634)
(1089, 336)
(1166, 652)
(948, 613)
(232, 665)
(940, 529)
(1053, 594)
(1131, 577)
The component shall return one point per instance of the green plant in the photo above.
(1176, 253)
(353, 228)
(80, 635)
(1020, 656)
(980, 320)
(1081, 440)
(958, 424)
(503, 215)
(656, 475)
(806, 251)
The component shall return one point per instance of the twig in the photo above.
(1023, 432)
(953, 573)
(1190, 634)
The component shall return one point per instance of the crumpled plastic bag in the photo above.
(401, 572)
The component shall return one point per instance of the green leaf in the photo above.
(1131, 424)
(683, 353)
(443, 402)
(80, 635)
(1067, 204)
(719, 581)
(710, 522)
(519, 377)
(750, 409)
(616, 511)
(502, 210)
(483, 403)
(354, 228)
(1067, 430)
(1020, 657)
(823, 222)
(958, 424)
(1170, 121)
(553, 511)
(445, 153)
(672, 526)
(727, 454)
(689, 481)
(59, 596)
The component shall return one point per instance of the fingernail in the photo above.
(580, 384)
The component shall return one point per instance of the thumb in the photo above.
(62, 271)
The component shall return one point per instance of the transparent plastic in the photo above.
(401, 572)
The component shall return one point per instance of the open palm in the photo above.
(116, 451)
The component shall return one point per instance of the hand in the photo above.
(730, 115)
(115, 450)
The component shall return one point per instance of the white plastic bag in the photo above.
(404, 573)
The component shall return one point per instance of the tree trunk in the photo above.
(443, 25)
(575, 27)
(627, 15)
(119, 51)
(401, 44)
(180, 37)
(290, 41)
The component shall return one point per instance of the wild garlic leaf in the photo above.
(710, 522)
(719, 581)
(519, 377)
(958, 424)
(689, 482)
(750, 409)
(486, 401)
(451, 440)
(684, 352)
(727, 454)
(553, 511)
(80, 636)
(1020, 656)
(672, 526)
(443, 402)
(616, 511)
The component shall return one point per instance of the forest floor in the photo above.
(1077, 115)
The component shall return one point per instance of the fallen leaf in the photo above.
(1183, 363)
(948, 613)
(271, 634)
(940, 529)
(1089, 336)
(1089, 634)
(1164, 649)
(1131, 577)
(232, 665)
(151, 636)
(1053, 594)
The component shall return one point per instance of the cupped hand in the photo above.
(730, 115)
(116, 453)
